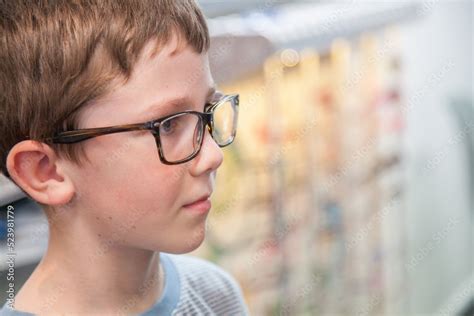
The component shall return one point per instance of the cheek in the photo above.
(128, 174)
(158, 189)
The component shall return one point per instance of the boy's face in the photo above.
(126, 194)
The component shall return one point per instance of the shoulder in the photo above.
(204, 283)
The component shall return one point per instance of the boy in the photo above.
(103, 124)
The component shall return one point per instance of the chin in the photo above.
(190, 243)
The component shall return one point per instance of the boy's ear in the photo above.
(35, 167)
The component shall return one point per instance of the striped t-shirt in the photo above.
(192, 287)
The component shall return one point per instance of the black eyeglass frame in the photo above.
(206, 119)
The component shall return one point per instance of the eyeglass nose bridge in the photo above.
(208, 121)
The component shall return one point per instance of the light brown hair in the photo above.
(57, 56)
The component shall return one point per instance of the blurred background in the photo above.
(349, 189)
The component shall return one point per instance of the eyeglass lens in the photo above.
(225, 123)
(181, 135)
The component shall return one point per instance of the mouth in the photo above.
(200, 205)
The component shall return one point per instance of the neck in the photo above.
(90, 275)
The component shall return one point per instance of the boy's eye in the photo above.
(169, 126)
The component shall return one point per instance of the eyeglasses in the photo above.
(178, 136)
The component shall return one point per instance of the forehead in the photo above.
(174, 66)
(173, 73)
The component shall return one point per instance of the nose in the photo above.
(209, 158)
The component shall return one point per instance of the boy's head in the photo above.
(76, 64)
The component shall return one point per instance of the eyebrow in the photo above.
(175, 105)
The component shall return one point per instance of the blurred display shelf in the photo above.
(241, 43)
(343, 194)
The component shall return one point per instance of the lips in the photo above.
(201, 199)
(201, 205)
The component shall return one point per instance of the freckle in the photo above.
(134, 227)
(97, 217)
(110, 217)
(100, 235)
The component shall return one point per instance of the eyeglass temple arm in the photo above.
(70, 137)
